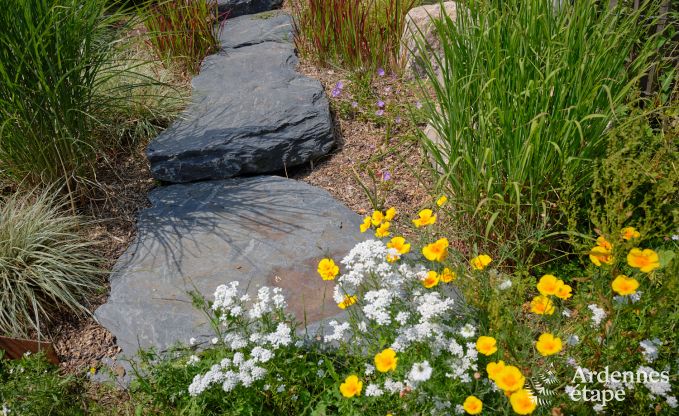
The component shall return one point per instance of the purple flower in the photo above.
(418, 105)
(387, 90)
(379, 112)
(398, 120)
(337, 90)
(380, 72)
(354, 104)
(386, 176)
(380, 104)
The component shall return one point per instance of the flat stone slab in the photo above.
(251, 112)
(264, 230)
(241, 7)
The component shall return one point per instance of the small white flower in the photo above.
(598, 314)
(598, 408)
(192, 341)
(671, 401)
(572, 340)
(468, 331)
(5, 410)
(420, 372)
(369, 369)
(566, 312)
(459, 409)
(650, 349)
(505, 285)
(193, 360)
(373, 390)
(215, 340)
(280, 388)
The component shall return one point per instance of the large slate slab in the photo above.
(259, 231)
(251, 112)
(235, 8)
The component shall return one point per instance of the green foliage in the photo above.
(354, 34)
(46, 266)
(182, 32)
(522, 102)
(32, 386)
(637, 182)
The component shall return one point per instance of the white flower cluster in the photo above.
(230, 373)
(598, 314)
(657, 387)
(650, 349)
(462, 362)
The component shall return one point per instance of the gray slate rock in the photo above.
(264, 230)
(251, 112)
(236, 8)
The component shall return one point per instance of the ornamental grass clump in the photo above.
(354, 34)
(525, 93)
(46, 266)
(183, 32)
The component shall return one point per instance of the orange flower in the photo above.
(602, 242)
(486, 345)
(327, 269)
(480, 262)
(523, 402)
(425, 217)
(386, 360)
(351, 387)
(510, 379)
(390, 214)
(348, 301)
(365, 225)
(629, 233)
(624, 285)
(599, 255)
(548, 344)
(377, 218)
(436, 251)
(472, 405)
(564, 292)
(383, 230)
(549, 285)
(431, 280)
(494, 369)
(542, 305)
(447, 275)
(646, 260)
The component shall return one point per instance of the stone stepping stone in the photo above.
(241, 7)
(263, 230)
(251, 112)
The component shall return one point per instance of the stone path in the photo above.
(251, 113)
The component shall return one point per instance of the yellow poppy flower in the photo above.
(548, 344)
(523, 402)
(442, 201)
(367, 222)
(447, 275)
(542, 305)
(549, 285)
(623, 285)
(390, 214)
(629, 233)
(645, 260)
(493, 369)
(328, 269)
(431, 280)
(377, 218)
(386, 360)
(600, 255)
(383, 230)
(351, 387)
(564, 292)
(602, 242)
(425, 217)
(348, 301)
(510, 379)
(480, 262)
(436, 251)
(472, 405)
(486, 345)
(399, 243)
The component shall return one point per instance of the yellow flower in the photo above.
(390, 214)
(602, 242)
(386, 361)
(431, 280)
(599, 255)
(351, 387)
(447, 275)
(328, 269)
(510, 379)
(494, 369)
(377, 218)
(480, 262)
(624, 285)
(425, 217)
(399, 243)
(486, 345)
(629, 233)
(442, 201)
(549, 285)
(646, 260)
(436, 251)
(523, 402)
(367, 222)
(548, 344)
(383, 230)
(542, 305)
(564, 292)
(348, 301)
(472, 405)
